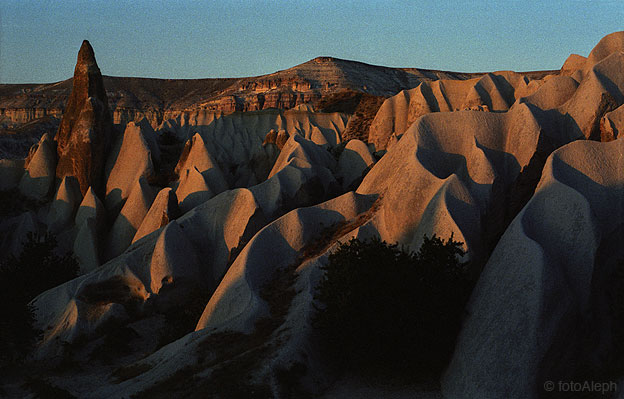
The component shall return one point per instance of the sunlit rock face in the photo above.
(85, 131)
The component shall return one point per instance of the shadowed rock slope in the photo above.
(545, 279)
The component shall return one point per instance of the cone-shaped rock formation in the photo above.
(84, 134)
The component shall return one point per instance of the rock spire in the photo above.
(85, 132)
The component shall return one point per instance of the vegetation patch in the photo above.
(386, 311)
(116, 342)
(22, 278)
(182, 318)
(13, 203)
(43, 389)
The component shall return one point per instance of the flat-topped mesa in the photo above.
(85, 132)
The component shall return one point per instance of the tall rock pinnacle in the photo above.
(85, 132)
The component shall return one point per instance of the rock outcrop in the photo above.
(90, 208)
(194, 250)
(545, 284)
(600, 92)
(612, 124)
(235, 141)
(451, 161)
(573, 64)
(196, 156)
(164, 209)
(38, 180)
(491, 92)
(65, 204)
(86, 246)
(612, 43)
(131, 158)
(130, 218)
(85, 132)
(553, 93)
(353, 162)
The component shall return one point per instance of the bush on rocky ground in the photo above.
(385, 309)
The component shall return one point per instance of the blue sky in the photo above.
(39, 39)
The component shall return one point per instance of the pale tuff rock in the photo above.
(302, 176)
(194, 249)
(237, 304)
(38, 179)
(193, 190)
(78, 307)
(174, 260)
(65, 204)
(130, 218)
(599, 92)
(164, 209)
(553, 93)
(612, 125)
(317, 137)
(86, 248)
(196, 156)
(235, 141)
(554, 239)
(610, 44)
(492, 92)
(90, 208)
(129, 164)
(450, 162)
(150, 136)
(354, 160)
(298, 149)
(573, 64)
(218, 226)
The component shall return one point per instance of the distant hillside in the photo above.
(158, 99)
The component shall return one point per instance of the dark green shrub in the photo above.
(182, 319)
(115, 343)
(384, 309)
(12, 203)
(22, 278)
(42, 388)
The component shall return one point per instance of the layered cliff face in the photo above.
(131, 99)
(22, 103)
(313, 85)
(85, 132)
